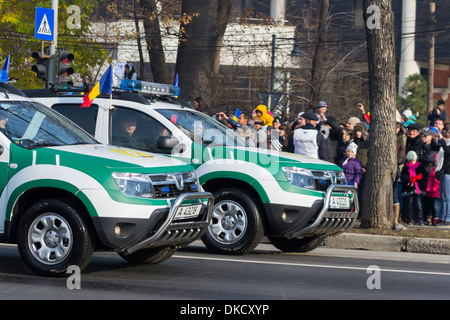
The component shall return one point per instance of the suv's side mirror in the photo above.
(166, 143)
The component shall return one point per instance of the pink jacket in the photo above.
(433, 185)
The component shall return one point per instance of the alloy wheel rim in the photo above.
(50, 238)
(228, 222)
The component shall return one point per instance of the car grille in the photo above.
(323, 179)
(174, 184)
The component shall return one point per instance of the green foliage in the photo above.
(415, 98)
(17, 23)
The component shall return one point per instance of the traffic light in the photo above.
(41, 66)
(65, 68)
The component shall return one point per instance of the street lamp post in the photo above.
(296, 56)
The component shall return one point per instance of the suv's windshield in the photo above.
(202, 129)
(32, 125)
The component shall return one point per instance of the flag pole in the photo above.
(110, 95)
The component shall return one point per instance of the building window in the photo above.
(358, 14)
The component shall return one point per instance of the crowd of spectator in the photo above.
(422, 184)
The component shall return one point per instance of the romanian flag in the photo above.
(236, 115)
(104, 86)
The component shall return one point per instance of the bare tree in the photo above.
(317, 63)
(154, 43)
(199, 48)
(377, 198)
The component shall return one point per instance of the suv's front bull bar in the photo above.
(335, 221)
(196, 228)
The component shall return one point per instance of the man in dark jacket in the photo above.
(437, 113)
(413, 140)
(307, 140)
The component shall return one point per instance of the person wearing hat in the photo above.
(352, 122)
(130, 73)
(351, 165)
(413, 184)
(307, 140)
(276, 123)
(413, 139)
(263, 114)
(298, 122)
(320, 111)
(408, 118)
(427, 156)
(437, 113)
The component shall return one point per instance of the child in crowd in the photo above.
(351, 165)
(413, 187)
(433, 193)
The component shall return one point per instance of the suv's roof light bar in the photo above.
(150, 87)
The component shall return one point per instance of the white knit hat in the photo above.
(352, 146)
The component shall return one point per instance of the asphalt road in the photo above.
(194, 274)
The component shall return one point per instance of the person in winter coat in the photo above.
(352, 166)
(434, 195)
(413, 185)
(443, 163)
(266, 117)
(307, 140)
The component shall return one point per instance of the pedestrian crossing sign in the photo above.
(44, 26)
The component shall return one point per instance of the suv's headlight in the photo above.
(134, 184)
(300, 177)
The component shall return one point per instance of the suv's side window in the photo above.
(84, 117)
(133, 129)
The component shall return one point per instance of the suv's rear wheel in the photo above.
(52, 236)
(296, 245)
(149, 256)
(236, 226)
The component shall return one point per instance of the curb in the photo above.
(388, 243)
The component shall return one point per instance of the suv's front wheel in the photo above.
(53, 236)
(236, 226)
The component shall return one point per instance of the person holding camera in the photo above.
(437, 113)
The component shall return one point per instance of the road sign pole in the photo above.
(53, 45)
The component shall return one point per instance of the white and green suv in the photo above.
(64, 195)
(295, 201)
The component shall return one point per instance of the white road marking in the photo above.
(293, 264)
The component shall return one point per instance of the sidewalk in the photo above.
(388, 243)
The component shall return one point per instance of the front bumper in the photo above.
(160, 230)
(318, 219)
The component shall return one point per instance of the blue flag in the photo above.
(5, 71)
(237, 114)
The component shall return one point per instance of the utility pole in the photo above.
(53, 46)
(432, 21)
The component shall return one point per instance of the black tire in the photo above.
(149, 256)
(236, 226)
(53, 236)
(297, 245)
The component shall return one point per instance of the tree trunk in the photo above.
(377, 200)
(154, 44)
(317, 73)
(136, 17)
(199, 48)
